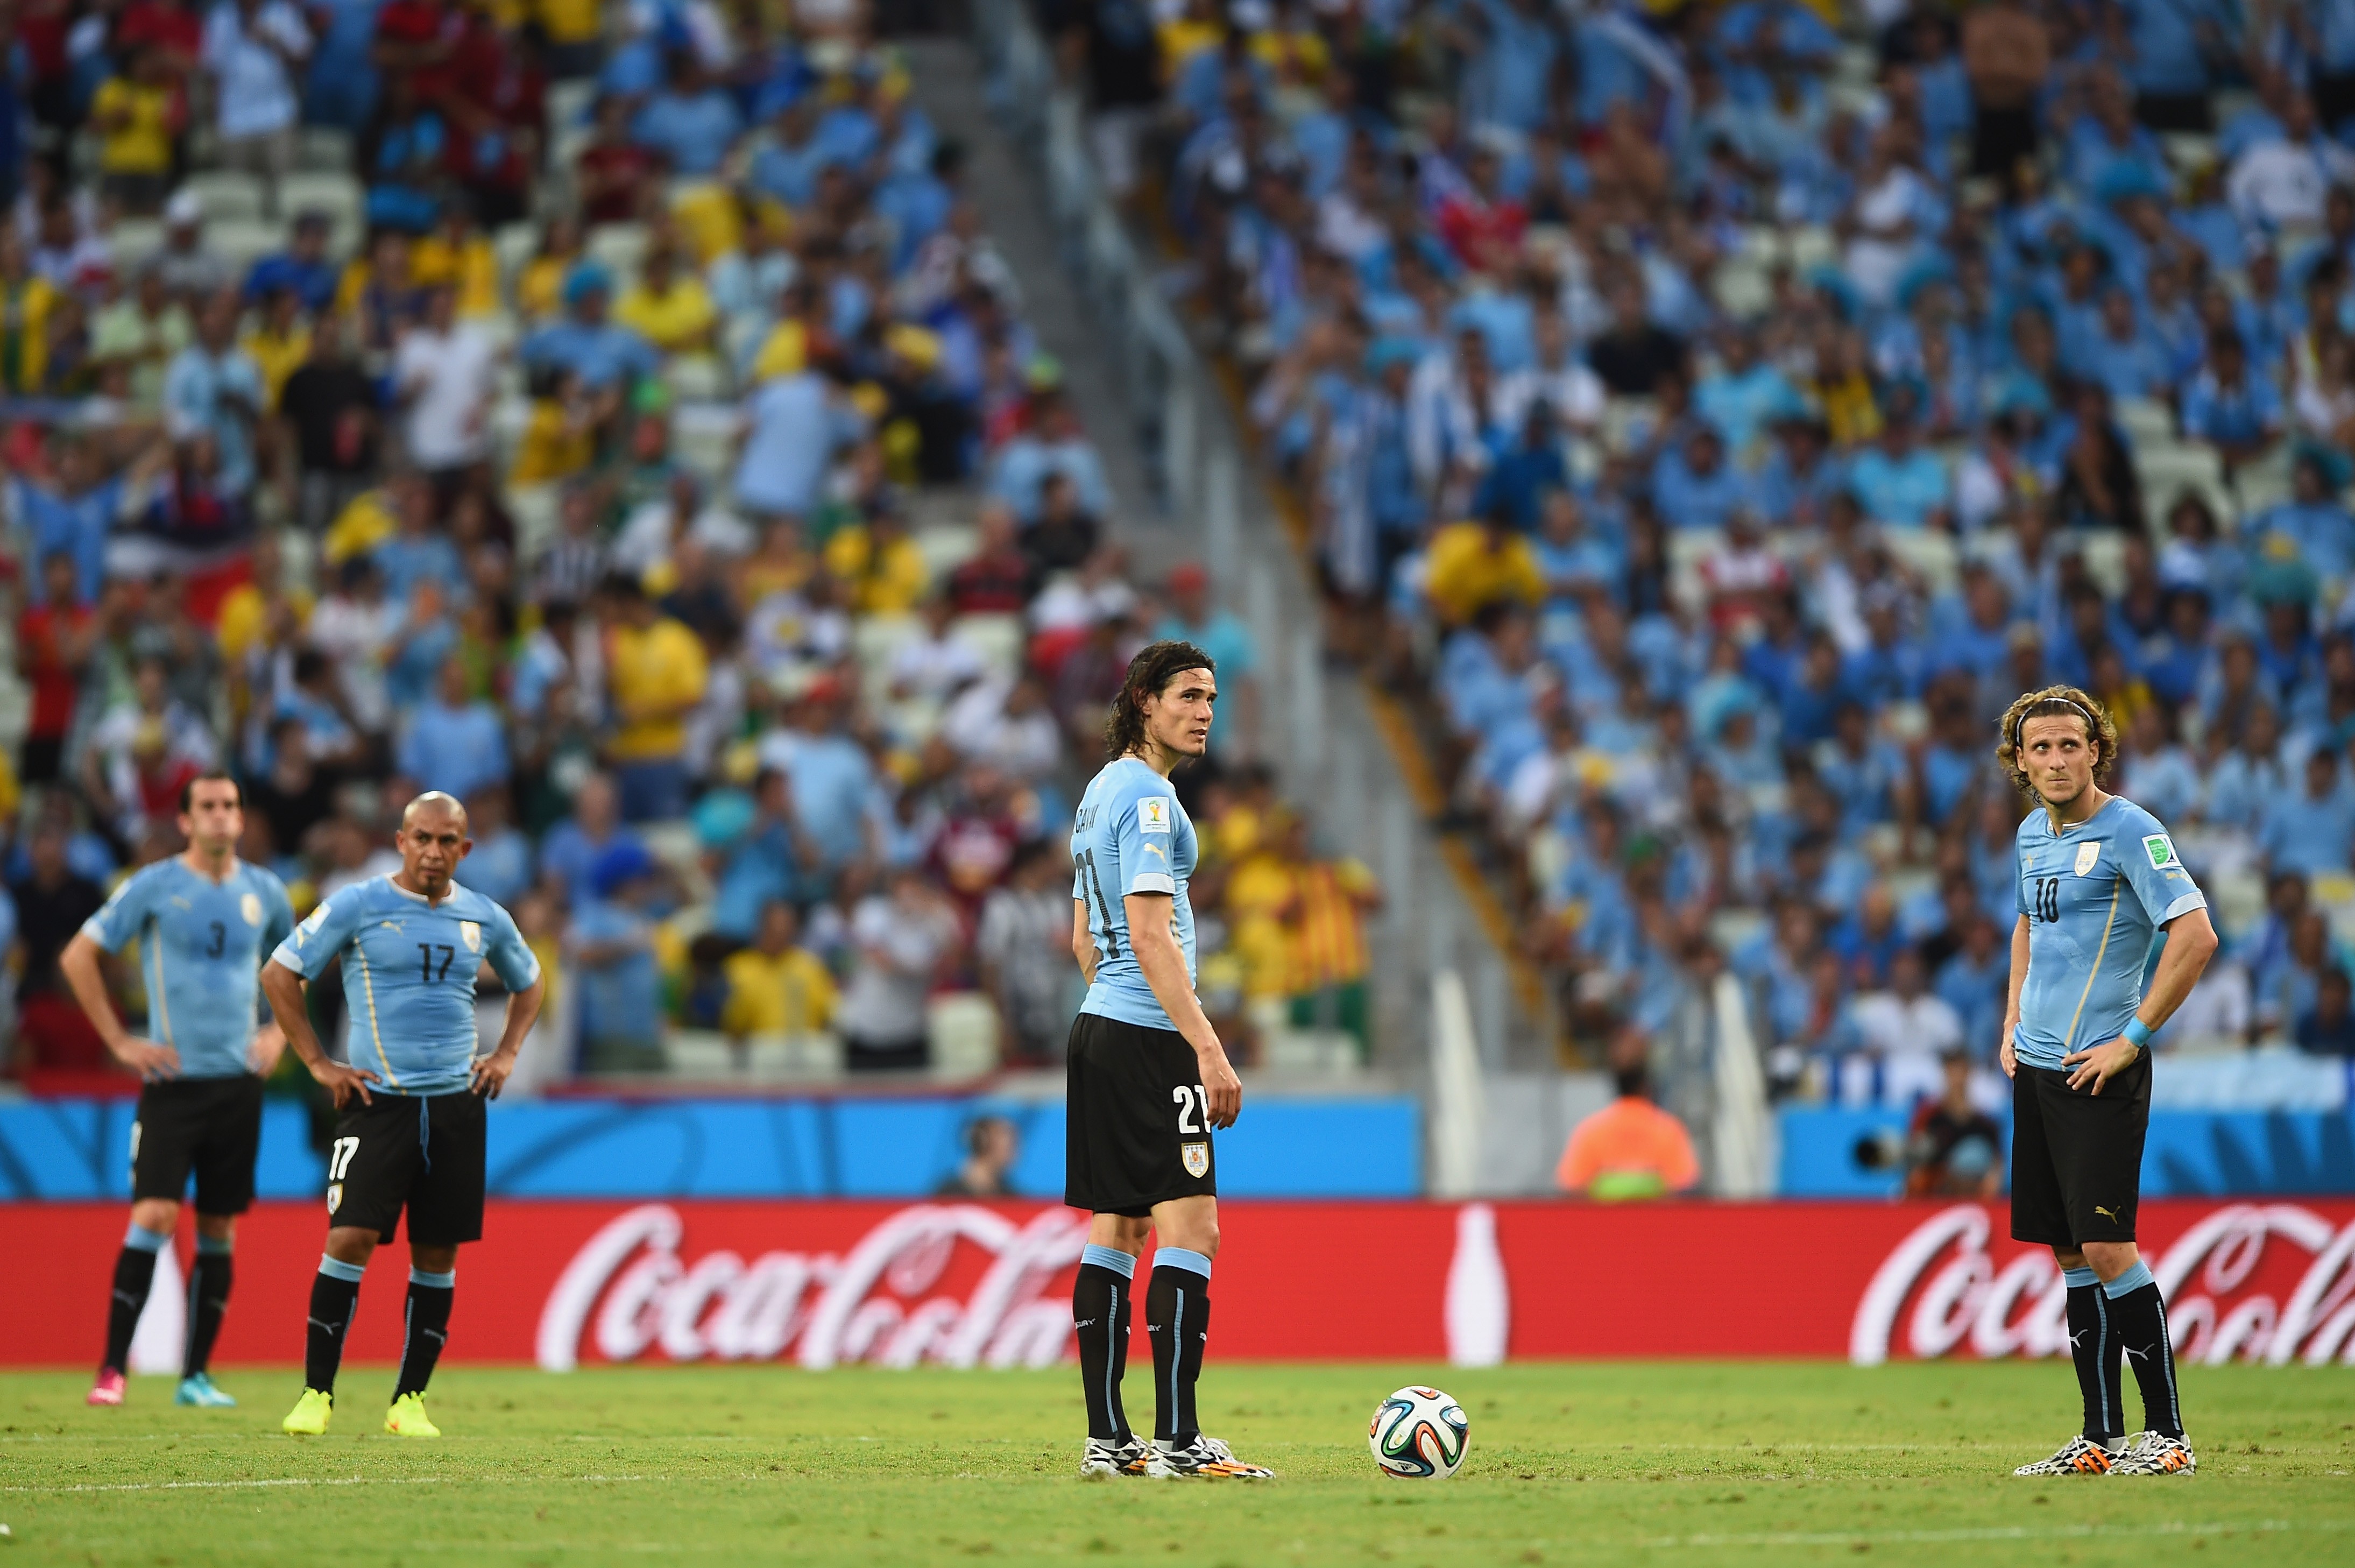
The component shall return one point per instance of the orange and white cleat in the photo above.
(2155, 1454)
(2080, 1455)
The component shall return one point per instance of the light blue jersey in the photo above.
(201, 943)
(1131, 837)
(2094, 895)
(409, 976)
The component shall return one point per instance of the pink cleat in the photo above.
(108, 1390)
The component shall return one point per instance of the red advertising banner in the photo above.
(957, 1284)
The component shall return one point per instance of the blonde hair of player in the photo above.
(2055, 702)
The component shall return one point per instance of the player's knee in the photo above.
(220, 1228)
(156, 1216)
(2109, 1259)
(351, 1245)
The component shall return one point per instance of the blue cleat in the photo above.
(199, 1390)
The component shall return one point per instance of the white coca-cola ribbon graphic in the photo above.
(829, 1308)
(2022, 1309)
(1478, 1304)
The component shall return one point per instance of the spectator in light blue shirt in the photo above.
(419, 552)
(1053, 445)
(1509, 80)
(593, 348)
(691, 123)
(1693, 487)
(786, 165)
(613, 951)
(795, 426)
(2314, 521)
(2238, 413)
(455, 742)
(1743, 393)
(499, 865)
(2313, 831)
(213, 388)
(2120, 355)
(1898, 483)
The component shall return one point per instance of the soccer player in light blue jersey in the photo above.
(1148, 1079)
(203, 919)
(409, 1125)
(2099, 883)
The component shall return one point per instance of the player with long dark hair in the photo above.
(1148, 1079)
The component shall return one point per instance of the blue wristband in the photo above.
(2137, 1033)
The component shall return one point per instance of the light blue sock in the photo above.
(1120, 1263)
(2079, 1278)
(2126, 1284)
(433, 1281)
(140, 1240)
(1178, 1257)
(336, 1268)
(213, 1246)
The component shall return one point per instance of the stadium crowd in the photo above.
(1720, 412)
(623, 423)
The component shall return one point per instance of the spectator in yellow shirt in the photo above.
(656, 674)
(776, 985)
(26, 301)
(277, 344)
(576, 37)
(1474, 565)
(670, 310)
(458, 256)
(879, 563)
(136, 115)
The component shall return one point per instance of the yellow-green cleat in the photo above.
(407, 1418)
(309, 1417)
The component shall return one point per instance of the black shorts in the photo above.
(2076, 1158)
(422, 1152)
(208, 1126)
(1136, 1120)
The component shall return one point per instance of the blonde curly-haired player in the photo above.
(2099, 883)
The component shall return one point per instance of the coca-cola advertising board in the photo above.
(976, 1285)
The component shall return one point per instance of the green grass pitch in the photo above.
(1569, 1463)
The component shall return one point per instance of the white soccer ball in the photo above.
(1420, 1435)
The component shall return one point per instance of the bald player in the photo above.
(409, 1128)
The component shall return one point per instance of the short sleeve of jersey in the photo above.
(308, 947)
(119, 919)
(2146, 858)
(510, 957)
(1147, 832)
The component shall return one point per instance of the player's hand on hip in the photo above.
(146, 1058)
(342, 1081)
(1220, 1082)
(491, 1072)
(2098, 1065)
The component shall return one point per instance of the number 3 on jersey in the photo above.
(1193, 1108)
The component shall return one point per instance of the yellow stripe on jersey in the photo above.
(2068, 1041)
(367, 989)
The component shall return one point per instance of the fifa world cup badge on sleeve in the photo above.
(1152, 815)
(2088, 856)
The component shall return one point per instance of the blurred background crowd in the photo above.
(1718, 413)
(620, 418)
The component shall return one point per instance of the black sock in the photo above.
(2139, 1317)
(2094, 1346)
(1178, 1315)
(208, 1283)
(135, 1271)
(335, 1297)
(425, 1328)
(1099, 1308)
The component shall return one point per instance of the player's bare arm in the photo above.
(491, 1072)
(1084, 945)
(79, 964)
(341, 1080)
(262, 1054)
(1163, 963)
(2191, 943)
(2004, 1053)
